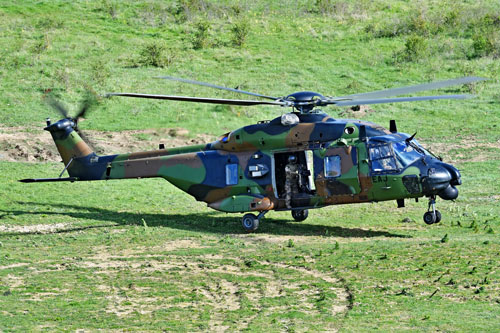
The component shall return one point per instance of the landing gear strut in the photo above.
(432, 216)
(250, 222)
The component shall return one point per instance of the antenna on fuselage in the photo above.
(392, 126)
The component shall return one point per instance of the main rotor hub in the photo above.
(302, 100)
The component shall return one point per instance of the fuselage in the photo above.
(342, 161)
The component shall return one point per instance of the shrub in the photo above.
(416, 48)
(240, 32)
(324, 7)
(339, 9)
(47, 22)
(185, 10)
(100, 71)
(201, 33)
(41, 44)
(485, 44)
(155, 54)
(108, 7)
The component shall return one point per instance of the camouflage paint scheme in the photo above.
(201, 170)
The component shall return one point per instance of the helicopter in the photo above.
(301, 160)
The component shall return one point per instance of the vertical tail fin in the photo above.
(69, 144)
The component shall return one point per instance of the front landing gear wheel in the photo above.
(300, 215)
(438, 216)
(432, 217)
(429, 218)
(250, 222)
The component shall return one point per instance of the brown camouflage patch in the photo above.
(149, 167)
(261, 204)
(218, 194)
(300, 133)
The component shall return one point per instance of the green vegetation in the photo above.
(141, 255)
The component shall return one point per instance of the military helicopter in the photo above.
(301, 160)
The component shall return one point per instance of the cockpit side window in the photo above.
(382, 158)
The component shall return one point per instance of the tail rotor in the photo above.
(87, 103)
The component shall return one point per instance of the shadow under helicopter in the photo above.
(210, 222)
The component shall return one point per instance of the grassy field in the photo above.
(141, 255)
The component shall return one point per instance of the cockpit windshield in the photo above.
(420, 148)
(406, 154)
(391, 157)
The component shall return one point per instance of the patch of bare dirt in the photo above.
(42, 296)
(356, 112)
(12, 281)
(211, 282)
(462, 150)
(35, 144)
(30, 229)
(19, 264)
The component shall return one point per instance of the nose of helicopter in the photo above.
(441, 179)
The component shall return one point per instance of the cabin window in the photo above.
(332, 166)
(231, 174)
(382, 158)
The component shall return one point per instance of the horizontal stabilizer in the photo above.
(46, 180)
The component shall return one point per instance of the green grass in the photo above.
(142, 255)
(132, 262)
(83, 47)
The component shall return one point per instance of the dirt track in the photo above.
(36, 145)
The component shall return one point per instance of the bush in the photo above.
(416, 48)
(109, 8)
(100, 71)
(485, 44)
(324, 7)
(336, 8)
(201, 33)
(240, 32)
(47, 22)
(186, 10)
(41, 44)
(155, 54)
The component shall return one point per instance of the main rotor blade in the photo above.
(393, 100)
(413, 89)
(215, 86)
(202, 99)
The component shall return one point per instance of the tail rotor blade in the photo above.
(86, 104)
(58, 106)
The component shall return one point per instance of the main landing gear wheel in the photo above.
(300, 215)
(250, 222)
(432, 217)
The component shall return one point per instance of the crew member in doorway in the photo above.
(292, 173)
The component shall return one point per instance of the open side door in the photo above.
(306, 186)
